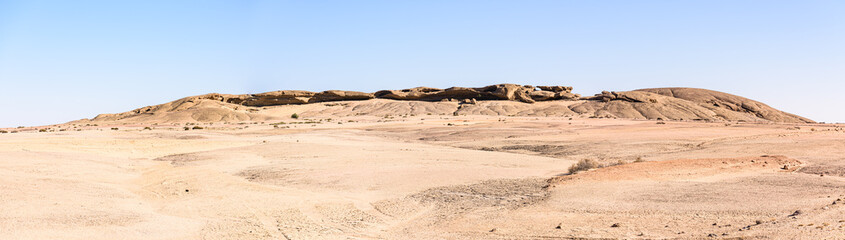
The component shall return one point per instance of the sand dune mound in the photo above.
(495, 100)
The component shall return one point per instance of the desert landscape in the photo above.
(504, 161)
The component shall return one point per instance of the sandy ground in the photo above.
(425, 177)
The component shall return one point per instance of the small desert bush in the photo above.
(583, 165)
(42, 130)
(639, 159)
(148, 128)
(196, 128)
(4, 131)
(115, 129)
(186, 128)
(294, 116)
(617, 163)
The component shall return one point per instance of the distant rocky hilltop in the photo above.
(499, 100)
(513, 92)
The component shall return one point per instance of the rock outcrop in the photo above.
(301, 97)
(606, 96)
(499, 100)
(511, 92)
(337, 95)
(286, 97)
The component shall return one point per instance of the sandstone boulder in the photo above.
(555, 88)
(543, 95)
(567, 96)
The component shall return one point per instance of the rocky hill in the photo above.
(498, 100)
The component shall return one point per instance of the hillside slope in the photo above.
(723, 103)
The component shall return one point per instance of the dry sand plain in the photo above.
(426, 177)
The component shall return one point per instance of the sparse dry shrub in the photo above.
(639, 159)
(583, 165)
(196, 128)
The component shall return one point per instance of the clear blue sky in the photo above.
(66, 60)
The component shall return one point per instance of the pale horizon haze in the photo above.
(66, 60)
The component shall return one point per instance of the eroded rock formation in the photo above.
(286, 97)
(512, 92)
(499, 100)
